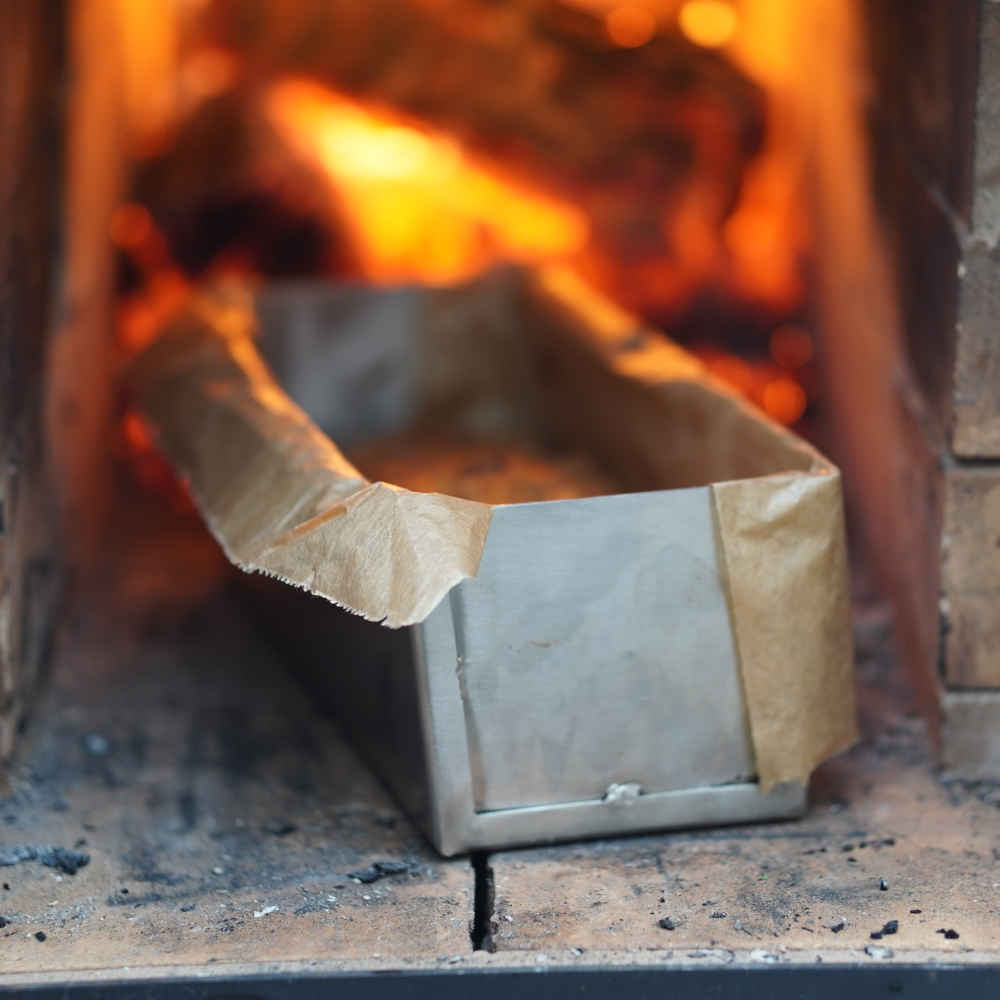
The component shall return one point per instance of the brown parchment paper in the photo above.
(281, 498)
(276, 493)
(784, 555)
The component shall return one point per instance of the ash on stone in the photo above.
(63, 859)
(890, 927)
(875, 952)
(383, 869)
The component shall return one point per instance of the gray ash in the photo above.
(383, 869)
(63, 859)
(890, 927)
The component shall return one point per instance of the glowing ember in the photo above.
(776, 391)
(630, 25)
(131, 227)
(791, 347)
(785, 400)
(150, 469)
(710, 23)
(165, 289)
(418, 206)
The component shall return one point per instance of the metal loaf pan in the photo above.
(587, 680)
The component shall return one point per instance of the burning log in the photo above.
(538, 80)
(229, 191)
(650, 144)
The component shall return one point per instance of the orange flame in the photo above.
(165, 290)
(419, 206)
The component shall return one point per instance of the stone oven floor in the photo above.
(223, 818)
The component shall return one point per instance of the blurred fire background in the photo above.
(656, 145)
